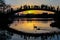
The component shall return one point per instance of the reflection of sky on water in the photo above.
(35, 38)
(28, 26)
(6, 35)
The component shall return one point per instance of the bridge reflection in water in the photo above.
(27, 25)
(31, 25)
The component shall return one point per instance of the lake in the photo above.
(32, 26)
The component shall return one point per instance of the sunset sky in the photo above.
(38, 2)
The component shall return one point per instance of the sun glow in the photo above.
(36, 12)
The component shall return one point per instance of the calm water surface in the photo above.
(33, 25)
(27, 25)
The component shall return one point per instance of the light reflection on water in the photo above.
(8, 35)
(28, 24)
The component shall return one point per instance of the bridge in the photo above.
(8, 18)
(35, 7)
(26, 8)
(42, 7)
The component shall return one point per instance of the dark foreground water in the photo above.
(6, 35)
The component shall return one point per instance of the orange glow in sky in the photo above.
(36, 12)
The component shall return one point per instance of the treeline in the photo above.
(42, 7)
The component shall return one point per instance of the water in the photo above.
(33, 25)
(27, 25)
(6, 35)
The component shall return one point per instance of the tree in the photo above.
(2, 2)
